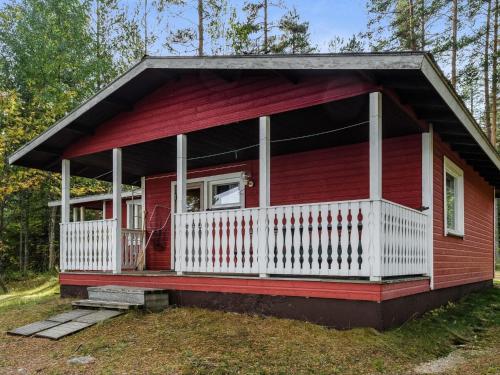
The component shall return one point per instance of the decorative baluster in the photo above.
(349, 245)
(301, 248)
(360, 236)
(329, 250)
(292, 242)
(339, 233)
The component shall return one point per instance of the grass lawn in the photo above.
(196, 341)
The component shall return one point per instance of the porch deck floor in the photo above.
(338, 279)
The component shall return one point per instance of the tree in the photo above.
(207, 30)
(255, 33)
(353, 44)
(294, 35)
(494, 79)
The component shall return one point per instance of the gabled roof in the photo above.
(414, 77)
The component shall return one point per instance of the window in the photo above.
(217, 192)
(225, 194)
(134, 215)
(453, 198)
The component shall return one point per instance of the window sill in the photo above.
(454, 234)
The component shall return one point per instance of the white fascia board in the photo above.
(75, 114)
(275, 62)
(438, 81)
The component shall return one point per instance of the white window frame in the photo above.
(206, 189)
(241, 183)
(131, 218)
(456, 172)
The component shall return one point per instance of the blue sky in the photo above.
(327, 18)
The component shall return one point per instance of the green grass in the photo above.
(30, 290)
(197, 341)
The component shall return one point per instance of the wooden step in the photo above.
(111, 305)
(153, 299)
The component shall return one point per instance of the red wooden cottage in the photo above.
(348, 190)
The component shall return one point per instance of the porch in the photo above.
(369, 238)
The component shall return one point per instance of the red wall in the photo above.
(339, 173)
(468, 259)
(109, 211)
(202, 101)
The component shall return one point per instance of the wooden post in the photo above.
(117, 209)
(375, 134)
(75, 214)
(104, 210)
(264, 190)
(427, 196)
(181, 188)
(65, 197)
(82, 213)
(375, 145)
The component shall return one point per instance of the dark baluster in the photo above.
(221, 233)
(292, 232)
(275, 250)
(235, 241)
(329, 250)
(360, 232)
(228, 248)
(251, 240)
(310, 230)
(301, 248)
(349, 245)
(199, 242)
(213, 233)
(186, 256)
(207, 250)
(320, 249)
(193, 237)
(243, 232)
(339, 245)
(283, 221)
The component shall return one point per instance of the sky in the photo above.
(327, 18)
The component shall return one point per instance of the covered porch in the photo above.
(364, 237)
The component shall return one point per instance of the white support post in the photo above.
(375, 135)
(104, 210)
(65, 190)
(264, 190)
(181, 186)
(427, 196)
(117, 209)
(143, 202)
(375, 145)
(75, 214)
(65, 197)
(82, 213)
(143, 217)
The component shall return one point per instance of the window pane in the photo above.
(226, 194)
(451, 201)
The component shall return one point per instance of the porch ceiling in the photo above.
(410, 79)
(212, 146)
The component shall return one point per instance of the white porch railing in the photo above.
(90, 246)
(359, 238)
(87, 245)
(132, 243)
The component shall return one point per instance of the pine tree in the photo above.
(294, 35)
